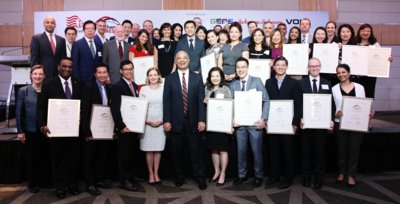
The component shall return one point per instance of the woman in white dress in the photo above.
(153, 139)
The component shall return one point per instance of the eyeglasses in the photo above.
(314, 66)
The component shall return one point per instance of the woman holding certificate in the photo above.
(218, 142)
(28, 132)
(257, 47)
(230, 52)
(320, 36)
(346, 37)
(153, 139)
(164, 57)
(348, 142)
(212, 45)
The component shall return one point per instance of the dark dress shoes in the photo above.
(106, 184)
(318, 184)
(178, 182)
(127, 185)
(60, 193)
(239, 181)
(202, 185)
(284, 184)
(271, 180)
(33, 189)
(220, 184)
(257, 182)
(306, 182)
(74, 190)
(93, 190)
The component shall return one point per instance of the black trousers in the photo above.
(313, 153)
(95, 159)
(179, 140)
(65, 161)
(282, 156)
(127, 144)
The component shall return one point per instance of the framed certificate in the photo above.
(207, 62)
(317, 111)
(357, 58)
(280, 117)
(134, 112)
(297, 56)
(101, 122)
(378, 62)
(328, 54)
(355, 114)
(220, 115)
(141, 65)
(260, 68)
(247, 107)
(63, 117)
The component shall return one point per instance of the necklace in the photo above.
(169, 46)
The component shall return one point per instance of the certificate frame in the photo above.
(134, 113)
(280, 118)
(328, 54)
(355, 108)
(63, 117)
(260, 68)
(101, 123)
(357, 58)
(220, 115)
(297, 56)
(247, 107)
(378, 63)
(207, 62)
(141, 65)
(315, 114)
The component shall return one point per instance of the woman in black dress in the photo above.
(166, 50)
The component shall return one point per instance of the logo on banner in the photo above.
(74, 21)
(110, 23)
(221, 20)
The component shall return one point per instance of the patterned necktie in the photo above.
(314, 86)
(243, 85)
(131, 88)
(52, 44)
(120, 50)
(191, 44)
(68, 93)
(104, 95)
(303, 39)
(92, 48)
(184, 94)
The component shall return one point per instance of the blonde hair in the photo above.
(158, 72)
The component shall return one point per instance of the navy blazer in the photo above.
(173, 102)
(25, 111)
(289, 90)
(194, 55)
(119, 89)
(83, 61)
(41, 53)
(97, 39)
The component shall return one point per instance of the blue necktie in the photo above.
(68, 93)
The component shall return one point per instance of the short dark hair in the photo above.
(280, 58)
(101, 65)
(163, 26)
(101, 20)
(127, 21)
(344, 66)
(209, 83)
(89, 22)
(188, 22)
(125, 62)
(65, 58)
(250, 22)
(70, 28)
(242, 59)
(281, 24)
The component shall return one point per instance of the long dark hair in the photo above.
(148, 46)
(252, 45)
(352, 40)
(209, 84)
(298, 40)
(239, 27)
(173, 30)
(371, 40)
(315, 32)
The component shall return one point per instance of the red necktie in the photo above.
(53, 46)
(120, 50)
(184, 95)
(131, 87)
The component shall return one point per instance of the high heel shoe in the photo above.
(351, 185)
(338, 180)
(220, 184)
(213, 180)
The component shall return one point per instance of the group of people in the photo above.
(97, 70)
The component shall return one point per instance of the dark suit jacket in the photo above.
(91, 95)
(83, 61)
(54, 89)
(289, 90)
(131, 40)
(173, 102)
(111, 58)
(97, 39)
(120, 89)
(195, 55)
(41, 53)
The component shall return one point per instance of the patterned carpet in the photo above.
(378, 188)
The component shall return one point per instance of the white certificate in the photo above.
(247, 107)
(280, 117)
(357, 58)
(207, 62)
(328, 54)
(141, 65)
(63, 117)
(219, 115)
(297, 56)
(101, 122)
(317, 111)
(378, 62)
(133, 112)
(260, 68)
(355, 114)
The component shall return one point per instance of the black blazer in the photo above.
(173, 102)
(41, 53)
(91, 95)
(53, 89)
(119, 89)
(289, 90)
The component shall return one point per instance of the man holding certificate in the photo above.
(253, 133)
(313, 140)
(184, 116)
(126, 138)
(64, 150)
(95, 151)
(283, 87)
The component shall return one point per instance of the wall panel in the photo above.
(183, 4)
(11, 35)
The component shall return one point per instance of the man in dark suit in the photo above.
(282, 147)
(254, 134)
(126, 139)
(127, 24)
(48, 48)
(192, 45)
(115, 51)
(101, 30)
(95, 152)
(70, 37)
(313, 140)
(184, 116)
(86, 53)
(64, 150)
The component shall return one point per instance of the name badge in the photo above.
(161, 46)
(266, 52)
(325, 86)
(219, 96)
(99, 54)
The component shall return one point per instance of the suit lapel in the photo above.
(46, 39)
(249, 83)
(308, 85)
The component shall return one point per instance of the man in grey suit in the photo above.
(114, 52)
(306, 36)
(252, 133)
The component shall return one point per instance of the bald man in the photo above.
(48, 48)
